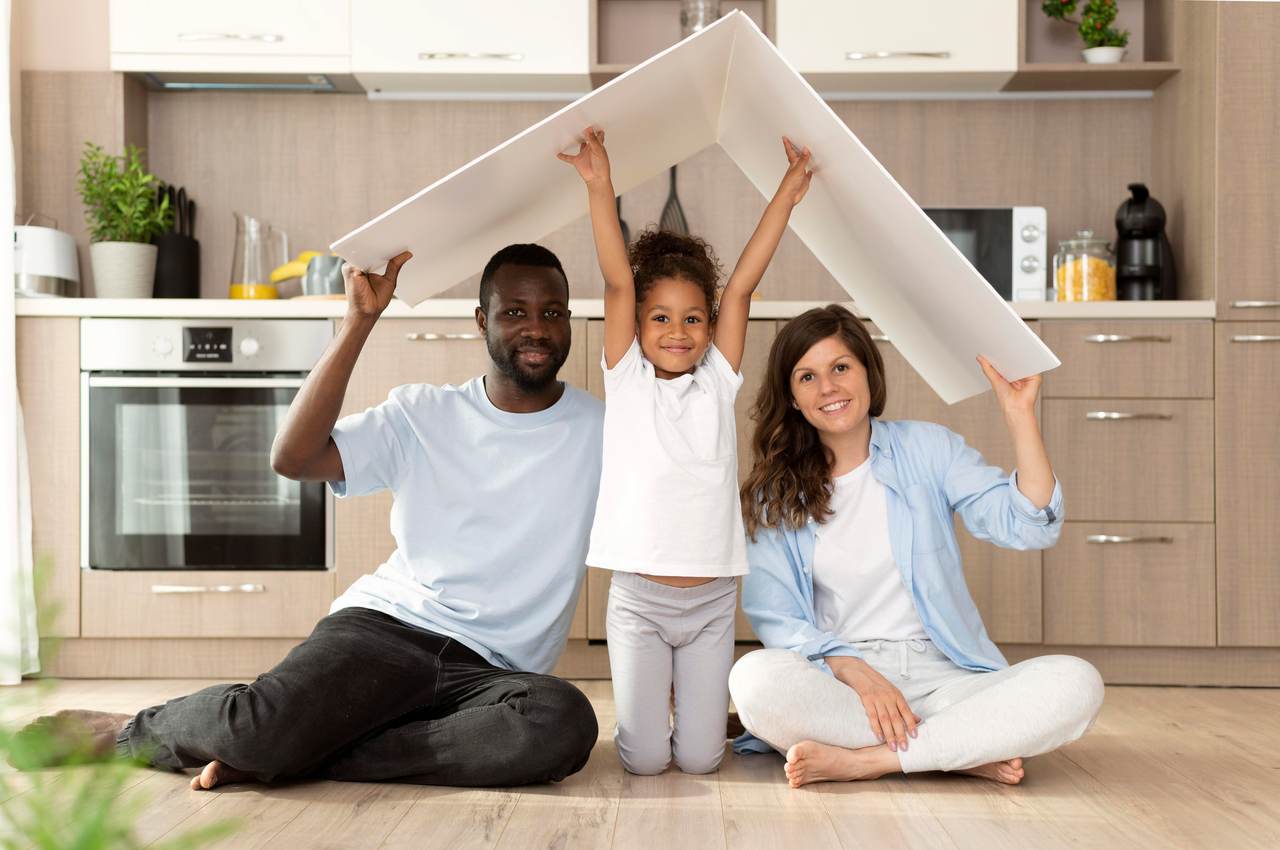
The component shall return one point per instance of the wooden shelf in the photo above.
(1080, 76)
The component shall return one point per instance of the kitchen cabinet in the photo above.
(1247, 451)
(48, 354)
(406, 351)
(924, 44)
(232, 36)
(438, 44)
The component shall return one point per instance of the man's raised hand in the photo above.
(369, 294)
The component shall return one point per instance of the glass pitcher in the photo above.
(259, 248)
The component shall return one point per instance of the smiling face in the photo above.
(829, 387)
(526, 326)
(674, 326)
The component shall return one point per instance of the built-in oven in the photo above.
(1009, 246)
(177, 421)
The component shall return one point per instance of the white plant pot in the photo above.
(1103, 55)
(123, 269)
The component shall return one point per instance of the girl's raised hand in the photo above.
(591, 160)
(796, 181)
(1014, 396)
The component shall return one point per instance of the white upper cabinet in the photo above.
(231, 36)
(500, 45)
(922, 44)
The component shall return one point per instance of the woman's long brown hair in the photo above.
(790, 478)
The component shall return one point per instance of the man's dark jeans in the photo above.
(369, 698)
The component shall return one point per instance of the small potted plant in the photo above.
(124, 214)
(1104, 44)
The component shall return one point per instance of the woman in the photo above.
(877, 660)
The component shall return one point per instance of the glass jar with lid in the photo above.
(1084, 269)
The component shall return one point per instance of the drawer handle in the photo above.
(879, 338)
(1255, 338)
(261, 37)
(1250, 305)
(451, 54)
(1115, 415)
(213, 588)
(1127, 338)
(1116, 538)
(858, 55)
(428, 337)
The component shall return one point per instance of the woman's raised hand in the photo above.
(891, 719)
(591, 160)
(796, 181)
(1014, 396)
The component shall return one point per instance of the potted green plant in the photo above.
(124, 214)
(1104, 44)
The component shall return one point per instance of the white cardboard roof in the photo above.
(725, 85)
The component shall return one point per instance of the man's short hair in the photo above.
(517, 255)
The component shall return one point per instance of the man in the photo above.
(418, 673)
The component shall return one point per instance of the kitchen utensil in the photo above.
(697, 14)
(44, 261)
(191, 218)
(1144, 257)
(324, 276)
(255, 255)
(622, 224)
(180, 213)
(1084, 269)
(672, 218)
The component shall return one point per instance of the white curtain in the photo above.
(19, 647)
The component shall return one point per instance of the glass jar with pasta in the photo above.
(1084, 269)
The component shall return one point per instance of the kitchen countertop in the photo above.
(583, 308)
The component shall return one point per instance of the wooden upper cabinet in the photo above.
(842, 39)
(48, 353)
(1248, 162)
(1248, 458)
(231, 36)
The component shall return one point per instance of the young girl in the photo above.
(667, 521)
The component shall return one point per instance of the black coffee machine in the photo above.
(1144, 259)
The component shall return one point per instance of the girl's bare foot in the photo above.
(73, 735)
(809, 761)
(216, 773)
(1007, 772)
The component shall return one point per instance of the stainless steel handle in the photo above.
(429, 337)
(214, 383)
(466, 54)
(1251, 305)
(879, 338)
(1127, 338)
(261, 37)
(1116, 538)
(1255, 338)
(212, 588)
(1113, 415)
(856, 55)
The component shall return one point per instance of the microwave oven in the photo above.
(1007, 245)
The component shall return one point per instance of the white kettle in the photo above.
(44, 262)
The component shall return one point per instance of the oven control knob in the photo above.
(1030, 233)
(1030, 264)
(162, 345)
(249, 346)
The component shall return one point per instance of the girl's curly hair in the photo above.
(658, 254)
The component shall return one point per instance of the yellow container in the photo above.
(258, 291)
(1084, 270)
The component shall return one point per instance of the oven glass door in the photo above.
(985, 237)
(179, 476)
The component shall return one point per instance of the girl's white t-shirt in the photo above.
(669, 480)
(858, 591)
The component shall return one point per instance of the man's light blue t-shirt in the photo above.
(491, 515)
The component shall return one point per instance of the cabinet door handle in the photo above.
(213, 588)
(465, 54)
(1251, 305)
(1116, 538)
(1114, 415)
(858, 55)
(430, 337)
(1128, 338)
(879, 338)
(261, 37)
(1255, 338)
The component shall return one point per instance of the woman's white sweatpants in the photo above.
(659, 637)
(969, 718)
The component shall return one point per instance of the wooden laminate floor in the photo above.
(1162, 768)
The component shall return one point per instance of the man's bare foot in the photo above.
(71, 736)
(216, 773)
(1007, 772)
(809, 761)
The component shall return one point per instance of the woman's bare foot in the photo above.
(74, 735)
(809, 761)
(1007, 772)
(216, 773)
